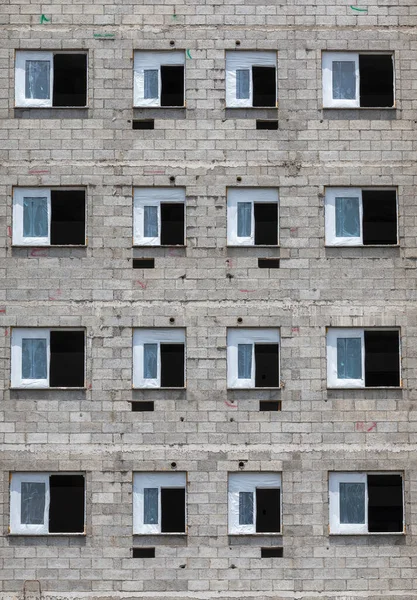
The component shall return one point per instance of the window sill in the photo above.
(382, 387)
(159, 112)
(156, 389)
(256, 389)
(47, 534)
(149, 246)
(44, 247)
(251, 112)
(257, 534)
(362, 246)
(27, 389)
(275, 246)
(373, 534)
(51, 112)
(359, 108)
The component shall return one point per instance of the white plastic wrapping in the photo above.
(151, 197)
(330, 216)
(24, 91)
(151, 336)
(19, 196)
(333, 380)
(142, 481)
(244, 61)
(144, 61)
(236, 196)
(335, 479)
(329, 60)
(236, 337)
(18, 335)
(19, 514)
(247, 482)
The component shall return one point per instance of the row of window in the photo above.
(54, 503)
(353, 216)
(350, 79)
(356, 358)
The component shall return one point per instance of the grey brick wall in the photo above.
(207, 429)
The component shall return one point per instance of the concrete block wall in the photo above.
(207, 429)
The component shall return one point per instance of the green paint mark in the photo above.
(359, 9)
(43, 19)
(188, 54)
(103, 35)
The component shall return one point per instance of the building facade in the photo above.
(208, 299)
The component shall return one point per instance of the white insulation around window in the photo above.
(33, 79)
(18, 335)
(150, 61)
(236, 337)
(247, 482)
(236, 196)
(151, 197)
(142, 481)
(29, 503)
(243, 60)
(151, 336)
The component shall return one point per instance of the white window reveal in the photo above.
(252, 217)
(358, 358)
(361, 216)
(43, 358)
(159, 358)
(45, 79)
(159, 503)
(253, 358)
(43, 503)
(48, 217)
(251, 79)
(352, 80)
(159, 78)
(362, 503)
(159, 216)
(254, 503)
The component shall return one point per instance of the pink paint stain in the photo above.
(56, 296)
(142, 285)
(247, 291)
(9, 231)
(38, 253)
(366, 427)
(2, 309)
(40, 172)
(230, 405)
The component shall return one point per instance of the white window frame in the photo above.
(153, 196)
(153, 336)
(327, 68)
(338, 528)
(331, 193)
(15, 504)
(330, 216)
(241, 59)
(20, 78)
(16, 480)
(332, 336)
(19, 194)
(254, 196)
(249, 482)
(18, 335)
(149, 60)
(236, 336)
(154, 480)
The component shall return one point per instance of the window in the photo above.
(251, 79)
(356, 217)
(159, 503)
(358, 358)
(44, 358)
(158, 216)
(48, 217)
(252, 217)
(51, 79)
(159, 78)
(159, 358)
(352, 80)
(43, 503)
(253, 358)
(366, 503)
(254, 503)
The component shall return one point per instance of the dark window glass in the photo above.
(266, 223)
(172, 365)
(67, 217)
(267, 511)
(172, 92)
(70, 80)
(266, 365)
(172, 224)
(376, 73)
(264, 86)
(172, 510)
(382, 358)
(385, 503)
(66, 510)
(67, 359)
(379, 217)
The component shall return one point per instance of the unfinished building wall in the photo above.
(209, 288)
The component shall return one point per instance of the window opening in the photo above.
(66, 510)
(264, 86)
(70, 80)
(268, 263)
(385, 503)
(382, 364)
(172, 510)
(267, 510)
(269, 405)
(379, 217)
(143, 123)
(172, 224)
(172, 92)
(67, 217)
(272, 552)
(143, 552)
(266, 365)
(172, 365)
(67, 359)
(143, 263)
(139, 406)
(266, 223)
(270, 124)
(376, 80)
